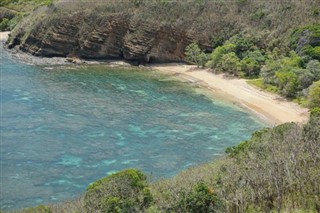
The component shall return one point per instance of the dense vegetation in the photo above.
(276, 43)
(13, 11)
(277, 170)
(291, 73)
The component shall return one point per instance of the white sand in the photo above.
(4, 36)
(269, 107)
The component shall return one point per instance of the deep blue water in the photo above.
(65, 127)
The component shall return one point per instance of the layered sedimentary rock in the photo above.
(94, 36)
(152, 30)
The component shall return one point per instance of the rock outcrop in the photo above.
(91, 36)
(151, 31)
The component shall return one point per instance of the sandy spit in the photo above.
(271, 108)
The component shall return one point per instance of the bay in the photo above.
(63, 127)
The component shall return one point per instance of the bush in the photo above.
(216, 56)
(315, 112)
(274, 169)
(305, 78)
(238, 56)
(314, 67)
(230, 63)
(288, 83)
(313, 52)
(195, 55)
(255, 55)
(242, 43)
(4, 24)
(38, 209)
(250, 67)
(126, 191)
(314, 95)
(202, 199)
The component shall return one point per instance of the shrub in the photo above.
(305, 78)
(314, 67)
(250, 67)
(311, 32)
(314, 95)
(243, 43)
(216, 56)
(288, 83)
(4, 24)
(195, 55)
(126, 191)
(230, 63)
(256, 55)
(294, 60)
(202, 199)
(315, 112)
(38, 209)
(313, 52)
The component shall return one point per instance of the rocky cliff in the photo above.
(149, 31)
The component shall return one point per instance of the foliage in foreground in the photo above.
(277, 170)
(126, 191)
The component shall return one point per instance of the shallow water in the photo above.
(65, 127)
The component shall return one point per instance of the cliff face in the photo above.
(149, 31)
(115, 35)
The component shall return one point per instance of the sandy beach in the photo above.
(271, 108)
(4, 36)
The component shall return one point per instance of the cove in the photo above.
(63, 127)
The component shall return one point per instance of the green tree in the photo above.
(294, 60)
(202, 199)
(230, 63)
(314, 95)
(216, 56)
(38, 209)
(125, 191)
(272, 65)
(4, 24)
(195, 55)
(305, 77)
(288, 83)
(314, 52)
(250, 67)
(314, 67)
(242, 43)
(256, 55)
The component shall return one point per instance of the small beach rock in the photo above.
(74, 60)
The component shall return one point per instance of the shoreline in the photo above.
(4, 36)
(270, 108)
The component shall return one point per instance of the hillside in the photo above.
(277, 170)
(275, 43)
(13, 11)
(149, 31)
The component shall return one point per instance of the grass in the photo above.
(261, 85)
(303, 101)
(26, 6)
(15, 10)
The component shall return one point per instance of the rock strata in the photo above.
(108, 36)
(154, 31)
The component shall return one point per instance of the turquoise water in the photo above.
(65, 127)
